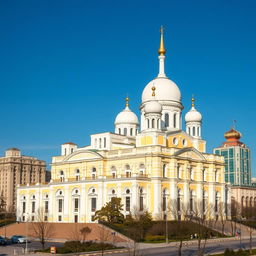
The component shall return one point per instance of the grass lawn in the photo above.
(239, 252)
(155, 233)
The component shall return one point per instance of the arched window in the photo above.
(148, 123)
(95, 143)
(119, 130)
(127, 200)
(242, 202)
(198, 132)
(105, 142)
(164, 171)
(189, 131)
(166, 120)
(194, 131)
(153, 123)
(131, 131)
(125, 131)
(174, 120)
(100, 143)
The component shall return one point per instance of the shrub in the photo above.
(154, 238)
(229, 252)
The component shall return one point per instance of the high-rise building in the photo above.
(17, 169)
(237, 159)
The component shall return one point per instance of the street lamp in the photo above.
(166, 227)
(26, 249)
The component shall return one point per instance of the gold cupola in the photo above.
(161, 50)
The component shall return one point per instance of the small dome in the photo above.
(153, 106)
(193, 116)
(126, 117)
(166, 89)
(232, 134)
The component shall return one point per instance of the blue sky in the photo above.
(66, 66)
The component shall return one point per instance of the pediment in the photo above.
(191, 153)
(83, 155)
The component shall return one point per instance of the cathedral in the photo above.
(151, 164)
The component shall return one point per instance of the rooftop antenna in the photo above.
(234, 124)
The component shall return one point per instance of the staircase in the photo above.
(230, 228)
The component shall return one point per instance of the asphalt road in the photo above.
(10, 248)
(188, 250)
(191, 250)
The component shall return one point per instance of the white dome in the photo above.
(126, 117)
(166, 90)
(153, 106)
(193, 116)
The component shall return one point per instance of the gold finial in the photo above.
(161, 50)
(193, 101)
(153, 91)
(127, 101)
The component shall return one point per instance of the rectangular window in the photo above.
(60, 208)
(231, 153)
(76, 204)
(93, 206)
(23, 207)
(141, 203)
(217, 152)
(127, 203)
(76, 218)
(46, 206)
(33, 207)
(59, 218)
(45, 218)
(164, 203)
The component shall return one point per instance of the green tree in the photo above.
(111, 212)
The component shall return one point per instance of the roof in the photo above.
(70, 143)
(16, 149)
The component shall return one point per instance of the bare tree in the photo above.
(235, 215)
(84, 232)
(104, 234)
(181, 215)
(202, 216)
(248, 212)
(222, 216)
(42, 229)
